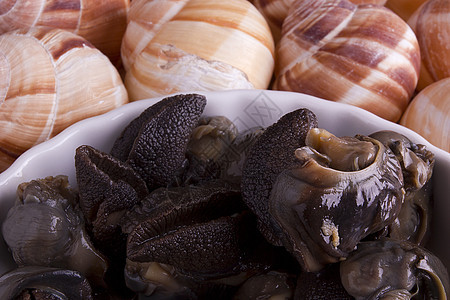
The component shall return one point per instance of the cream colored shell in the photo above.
(363, 55)
(178, 45)
(50, 79)
(428, 114)
(103, 23)
(431, 24)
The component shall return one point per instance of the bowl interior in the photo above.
(247, 109)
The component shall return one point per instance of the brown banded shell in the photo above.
(431, 24)
(404, 8)
(364, 55)
(191, 45)
(51, 78)
(102, 23)
(275, 11)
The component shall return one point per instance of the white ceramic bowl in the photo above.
(247, 109)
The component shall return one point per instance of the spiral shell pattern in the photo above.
(102, 23)
(178, 45)
(431, 24)
(50, 79)
(363, 55)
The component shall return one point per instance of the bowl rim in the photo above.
(16, 173)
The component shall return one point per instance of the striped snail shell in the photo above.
(275, 11)
(102, 23)
(429, 114)
(178, 45)
(431, 24)
(363, 55)
(49, 79)
(404, 8)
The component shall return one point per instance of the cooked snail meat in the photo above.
(46, 228)
(270, 285)
(32, 282)
(323, 284)
(107, 189)
(270, 154)
(208, 147)
(391, 268)
(155, 143)
(417, 162)
(325, 212)
(196, 235)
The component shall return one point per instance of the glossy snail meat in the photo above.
(51, 78)
(364, 55)
(44, 283)
(339, 191)
(45, 228)
(393, 269)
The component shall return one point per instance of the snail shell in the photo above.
(431, 24)
(429, 114)
(275, 11)
(50, 79)
(180, 45)
(364, 55)
(103, 23)
(404, 8)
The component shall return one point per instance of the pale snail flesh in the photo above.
(364, 55)
(428, 114)
(50, 79)
(431, 24)
(102, 23)
(181, 45)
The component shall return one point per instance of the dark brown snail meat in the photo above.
(417, 162)
(339, 191)
(46, 228)
(200, 234)
(107, 188)
(393, 269)
(155, 143)
(270, 154)
(34, 282)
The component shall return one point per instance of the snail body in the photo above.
(172, 46)
(50, 79)
(364, 55)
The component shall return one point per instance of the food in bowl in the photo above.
(236, 218)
